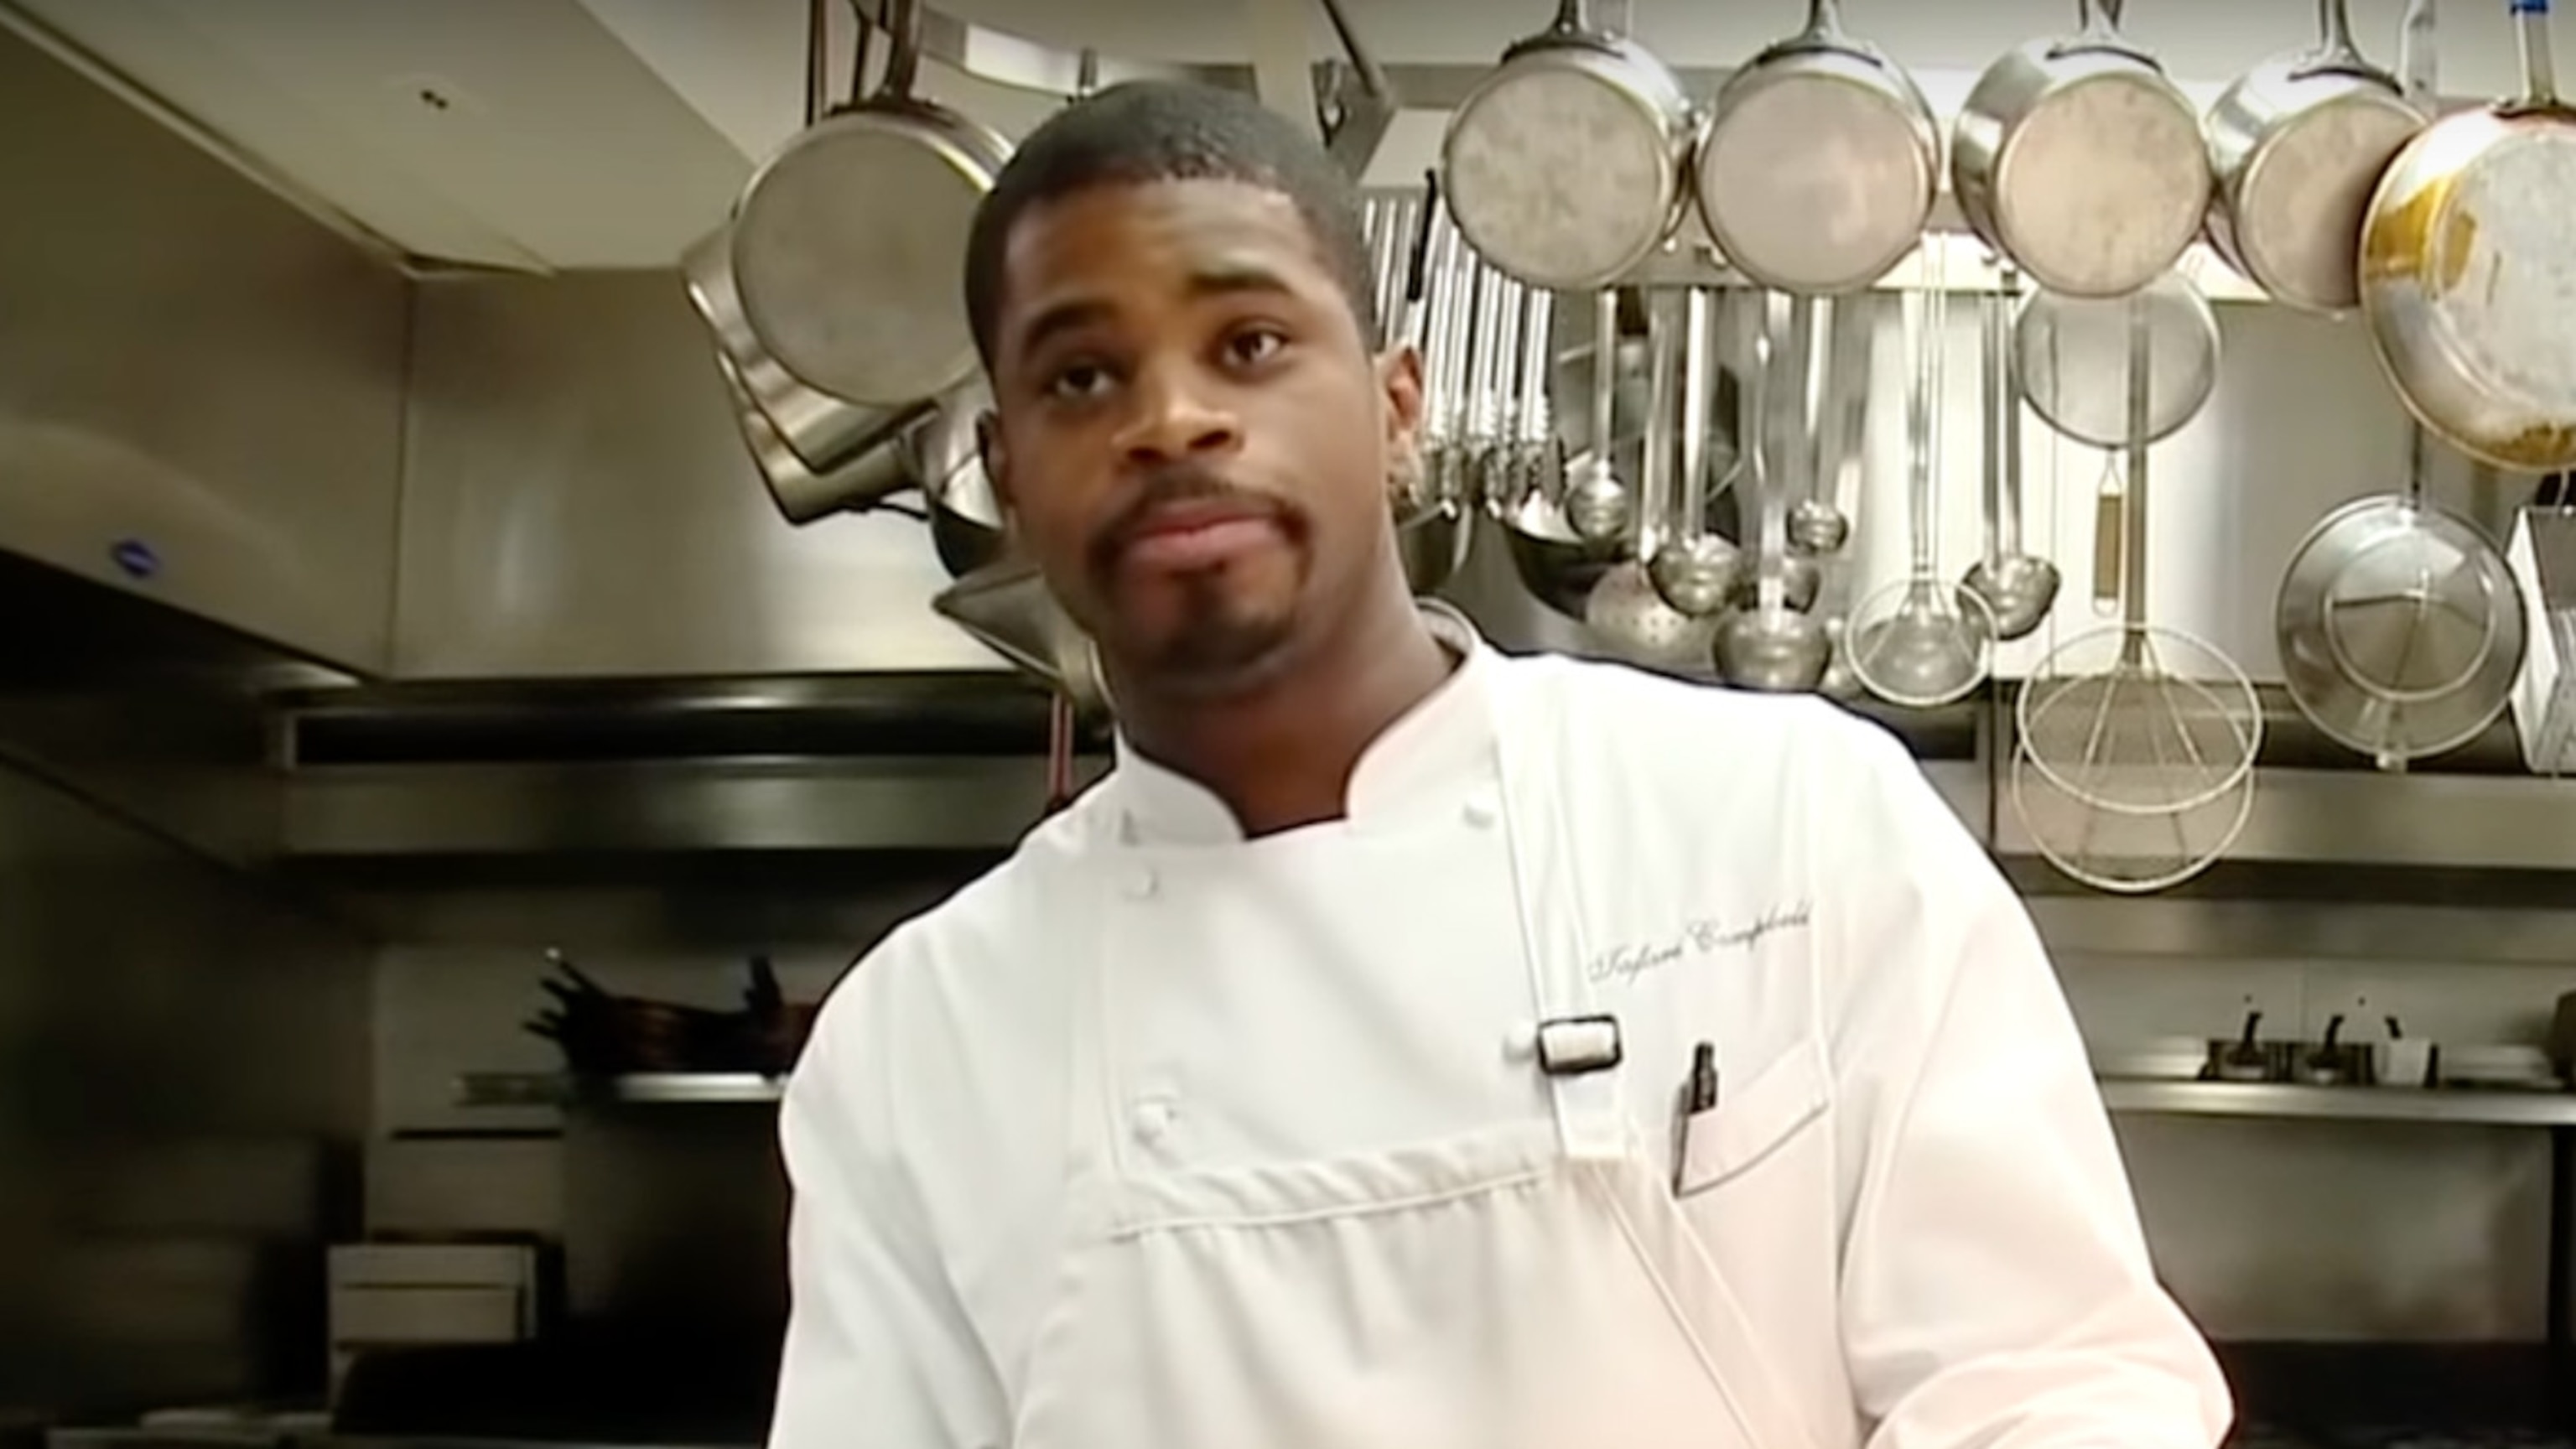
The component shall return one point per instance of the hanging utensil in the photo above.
(817, 454)
(1691, 567)
(2072, 356)
(2082, 161)
(1913, 642)
(804, 493)
(1772, 646)
(1818, 163)
(2135, 740)
(1007, 608)
(1821, 522)
(848, 243)
(1563, 165)
(1559, 569)
(1780, 431)
(2297, 145)
(2138, 717)
(2401, 628)
(2018, 589)
(2468, 277)
(1624, 610)
(1597, 505)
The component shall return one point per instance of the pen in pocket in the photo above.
(1698, 1094)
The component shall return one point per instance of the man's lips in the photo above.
(1179, 537)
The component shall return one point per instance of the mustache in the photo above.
(1180, 483)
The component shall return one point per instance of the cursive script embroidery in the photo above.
(1625, 963)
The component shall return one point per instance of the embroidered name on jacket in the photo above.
(1625, 963)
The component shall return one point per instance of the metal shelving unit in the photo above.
(549, 1089)
(2453, 1106)
(2467, 1107)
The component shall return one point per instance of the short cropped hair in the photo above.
(1148, 131)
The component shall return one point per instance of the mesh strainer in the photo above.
(2126, 853)
(2073, 353)
(2401, 629)
(2133, 719)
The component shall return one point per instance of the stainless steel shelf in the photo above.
(2453, 1106)
(547, 1089)
(2457, 1106)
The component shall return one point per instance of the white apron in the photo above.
(1531, 1286)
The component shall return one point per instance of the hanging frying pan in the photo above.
(849, 244)
(2468, 276)
(1563, 166)
(2298, 144)
(1819, 162)
(818, 454)
(2082, 161)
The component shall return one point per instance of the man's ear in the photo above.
(1399, 372)
(996, 457)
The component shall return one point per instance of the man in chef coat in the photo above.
(1410, 1047)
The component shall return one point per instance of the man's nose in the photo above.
(1178, 415)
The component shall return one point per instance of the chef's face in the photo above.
(1192, 439)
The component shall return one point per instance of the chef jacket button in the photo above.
(1479, 812)
(1151, 1119)
(1141, 884)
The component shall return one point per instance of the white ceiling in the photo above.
(610, 133)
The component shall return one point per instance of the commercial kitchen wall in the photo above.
(200, 398)
(183, 1077)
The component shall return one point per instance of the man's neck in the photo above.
(1281, 756)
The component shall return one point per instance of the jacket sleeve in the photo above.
(1997, 1290)
(879, 1352)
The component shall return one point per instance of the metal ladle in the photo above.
(1772, 646)
(1624, 609)
(2017, 588)
(1693, 569)
(1910, 643)
(1782, 425)
(1597, 507)
(1817, 522)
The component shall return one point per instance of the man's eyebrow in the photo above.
(1061, 317)
(1224, 277)
(1212, 280)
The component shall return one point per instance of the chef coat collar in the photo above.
(1430, 755)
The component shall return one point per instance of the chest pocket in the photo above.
(1758, 1121)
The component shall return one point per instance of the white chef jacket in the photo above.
(1909, 1184)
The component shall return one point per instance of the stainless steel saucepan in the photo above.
(2082, 161)
(2297, 146)
(1818, 163)
(1564, 166)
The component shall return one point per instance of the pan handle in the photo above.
(903, 57)
(2099, 33)
(2539, 71)
(2418, 58)
(1373, 82)
(2335, 53)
